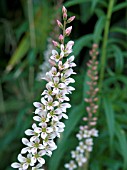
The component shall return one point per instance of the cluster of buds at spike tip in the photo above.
(87, 131)
(49, 111)
(67, 31)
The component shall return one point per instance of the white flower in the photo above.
(47, 93)
(54, 72)
(52, 114)
(50, 104)
(41, 118)
(94, 132)
(35, 145)
(55, 55)
(64, 106)
(62, 97)
(81, 159)
(58, 127)
(56, 85)
(81, 148)
(49, 142)
(68, 72)
(68, 48)
(89, 141)
(70, 61)
(69, 89)
(38, 156)
(32, 133)
(26, 162)
(25, 141)
(74, 154)
(80, 135)
(39, 107)
(71, 165)
(66, 80)
(44, 130)
(86, 133)
(48, 149)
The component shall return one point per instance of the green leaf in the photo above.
(119, 30)
(82, 42)
(119, 59)
(74, 117)
(75, 2)
(99, 29)
(93, 5)
(122, 142)
(20, 52)
(85, 7)
(120, 6)
(109, 113)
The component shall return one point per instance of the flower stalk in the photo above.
(80, 156)
(48, 126)
(104, 45)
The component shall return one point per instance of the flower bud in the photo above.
(64, 10)
(56, 44)
(68, 30)
(61, 37)
(95, 45)
(59, 24)
(52, 63)
(64, 16)
(70, 19)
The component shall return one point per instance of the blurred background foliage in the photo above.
(25, 26)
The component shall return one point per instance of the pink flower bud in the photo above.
(86, 100)
(88, 109)
(64, 10)
(61, 37)
(52, 63)
(68, 30)
(71, 19)
(85, 118)
(59, 24)
(95, 45)
(56, 44)
(95, 99)
(91, 52)
(64, 16)
(95, 118)
(92, 123)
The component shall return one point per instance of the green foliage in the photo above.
(20, 64)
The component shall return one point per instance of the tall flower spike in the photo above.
(51, 109)
(81, 154)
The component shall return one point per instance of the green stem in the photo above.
(104, 45)
(64, 27)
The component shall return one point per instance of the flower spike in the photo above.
(52, 108)
(86, 133)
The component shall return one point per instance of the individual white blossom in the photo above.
(71, 165)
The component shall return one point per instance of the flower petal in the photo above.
(41, 160)
(15, 165)
(37, 104)
(29, 132)
(25, 141)
(21, 158)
